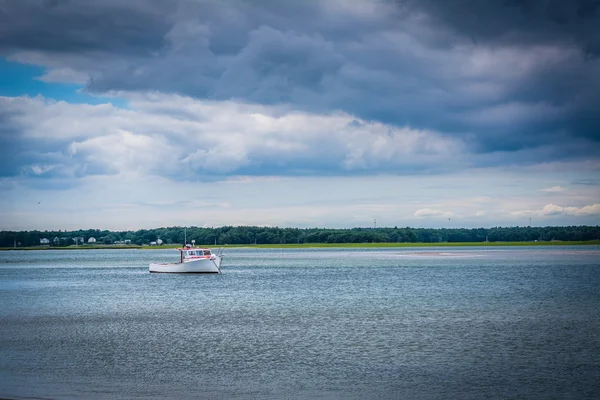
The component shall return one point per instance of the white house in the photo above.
(159, 242)
(92, 240)
(44, 241)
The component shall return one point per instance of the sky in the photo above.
(331, 114)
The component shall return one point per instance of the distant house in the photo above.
(159, 242)
(44, 241)
(92, 240)
(152, 243)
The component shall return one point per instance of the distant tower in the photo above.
(374, 223)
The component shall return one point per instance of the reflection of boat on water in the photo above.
(192, 260)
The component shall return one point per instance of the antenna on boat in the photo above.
(184, 236)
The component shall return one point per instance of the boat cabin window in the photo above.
(197, 253)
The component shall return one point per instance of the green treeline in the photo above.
(275, 235)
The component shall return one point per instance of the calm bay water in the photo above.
(422, 323)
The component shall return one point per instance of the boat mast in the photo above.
(185, 236)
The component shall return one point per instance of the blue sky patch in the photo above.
(18, 79)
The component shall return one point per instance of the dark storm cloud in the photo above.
(504, 75)
(520, 21)
(65, 26)
(572, 82)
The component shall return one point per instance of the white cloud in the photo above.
(554, 189)
(550, 210)
(593, 209)
(429, 213)
(178, 136)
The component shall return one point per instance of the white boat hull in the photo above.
(199, 266)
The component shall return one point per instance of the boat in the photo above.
(192, 260)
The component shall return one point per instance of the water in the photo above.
(303, 324)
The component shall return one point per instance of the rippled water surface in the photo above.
(404, 323)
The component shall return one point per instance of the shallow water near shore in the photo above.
(415, 323)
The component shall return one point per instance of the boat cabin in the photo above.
(189, 253)
(196, 252)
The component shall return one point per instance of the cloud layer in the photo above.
(186, 139)
(502, 75)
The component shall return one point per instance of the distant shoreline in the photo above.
(317, 245)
